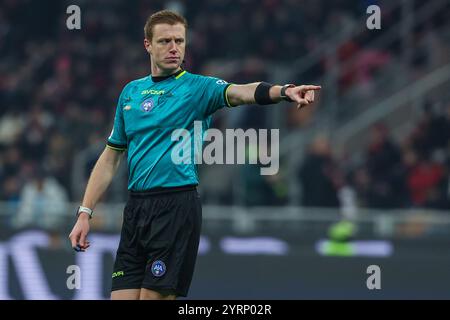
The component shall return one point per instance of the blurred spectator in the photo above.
(42, 202)
(12, 160)
(319, 176)
(10, 196)
(432, 131)
(438, 197)
(385, 170)
(423, 181)
(360, 180)
(11, 126)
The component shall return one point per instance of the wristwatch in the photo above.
(81, 209)
(283, 92)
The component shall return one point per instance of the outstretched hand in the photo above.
(302, 95)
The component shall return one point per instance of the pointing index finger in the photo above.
(311, 87)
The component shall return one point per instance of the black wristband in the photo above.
(262, 94)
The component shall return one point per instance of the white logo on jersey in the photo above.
(221, 82)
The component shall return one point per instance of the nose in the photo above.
(172, 47)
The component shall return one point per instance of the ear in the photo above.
(148, 46)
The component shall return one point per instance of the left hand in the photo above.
(302, 95)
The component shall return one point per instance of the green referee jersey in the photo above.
(148, 111)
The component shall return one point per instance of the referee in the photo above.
(162, 218)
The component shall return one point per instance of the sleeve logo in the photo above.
(221, 82)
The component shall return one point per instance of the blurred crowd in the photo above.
(413, 172)
(59, 88)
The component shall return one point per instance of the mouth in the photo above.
(172, 59)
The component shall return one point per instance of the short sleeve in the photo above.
(214, 95)
(118, 139)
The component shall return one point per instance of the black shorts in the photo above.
(159, 241)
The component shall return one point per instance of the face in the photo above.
(167, 47)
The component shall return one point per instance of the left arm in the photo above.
(245, 94)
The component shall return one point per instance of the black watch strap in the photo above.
(283, 92)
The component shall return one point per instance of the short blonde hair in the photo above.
(164, 16)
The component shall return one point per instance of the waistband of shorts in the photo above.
(161, 190)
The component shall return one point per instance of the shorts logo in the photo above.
(147, 105)
(117, 274)
(158, 268)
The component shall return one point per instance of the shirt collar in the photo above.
(162, 78)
